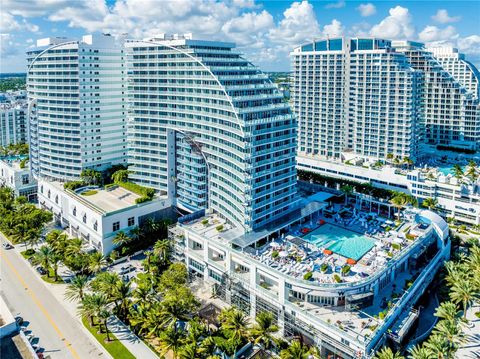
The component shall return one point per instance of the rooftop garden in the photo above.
(14, 149)
(109, 179)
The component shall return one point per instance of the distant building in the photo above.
(355, 97)
(374, 99)
(13, 123)
(15, 174)
(77, 108)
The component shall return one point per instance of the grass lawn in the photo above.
(114, 347)
(25, 255)
(51, 279)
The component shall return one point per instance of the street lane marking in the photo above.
(40, 306)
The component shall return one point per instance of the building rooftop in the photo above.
(102, 200)
(15, 162)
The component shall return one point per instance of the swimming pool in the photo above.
(448, 169)
(340, 241)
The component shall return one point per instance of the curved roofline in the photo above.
(229, 99)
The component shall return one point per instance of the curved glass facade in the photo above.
(199, 110)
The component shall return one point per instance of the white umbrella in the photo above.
(283, 254)
(274, 244)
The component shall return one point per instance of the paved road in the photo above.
(26, 295)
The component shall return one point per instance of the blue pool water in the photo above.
(449, 169)
(14, 158)
(340, 241)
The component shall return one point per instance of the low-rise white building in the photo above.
(339, 316)
(97, 214)
(457, 199)
(15, 174)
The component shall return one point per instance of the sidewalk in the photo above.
(133, 343)
(137, 347)
(471, 349)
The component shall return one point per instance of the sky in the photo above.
(265, 31)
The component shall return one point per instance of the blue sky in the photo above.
(265, 31)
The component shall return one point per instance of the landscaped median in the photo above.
(116, 349)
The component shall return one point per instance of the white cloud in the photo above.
(248, 28)
(469, 44)
(336, 5)
(367, 9)
(442, 17)
(334, 29)
(398, 25)
(434, 34)
(298, 25)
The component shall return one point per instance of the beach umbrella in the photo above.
(283, 254)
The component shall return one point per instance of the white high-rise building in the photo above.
(76, 106)
(461, 69)
(451, 113)
(13, 123)
(355, 97)
(210, 129)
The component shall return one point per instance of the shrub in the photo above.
(477, 314)
(89, 192)
(337, 278)
(396, 246)
(324, 267)
(390, 254)
(144, 192)
(219, 228)
(30, 252)
(308, 276)
(73, 185)
(23, 163)
(345, 269)
(205, 222)
(142, 200)
(275, 254)
(410, 237)
(381, 315)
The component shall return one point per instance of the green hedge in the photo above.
(136, 188)
(337, 278)
(365, 188)
(308, 276)
(73, 185)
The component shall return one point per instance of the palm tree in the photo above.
(421, 352)
(121, 176)
(458, 171)
(172, 310)
(196, 331)
(264, 329)
(74, 246)
(399, 201)
(56, 258)
(162, 249)
(463, 292)
(91, 306)
(121, 296)
(151, 225)
(438, 345)
(171, 340)
(347, 190)
(77, 287)
(189, 351)
(96, 262)
(387, 353)
(135, 233)
(235, 322)
(430, 203)
(44, 258)
(447, 311)
(121, 238)
(451, 331)
(104, 314)
(472, 170)
(295, 350)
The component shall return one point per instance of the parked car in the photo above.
(41, 270)
(31, 261)
(7, 245)
(127, 269)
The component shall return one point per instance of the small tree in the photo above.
(121, 176)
